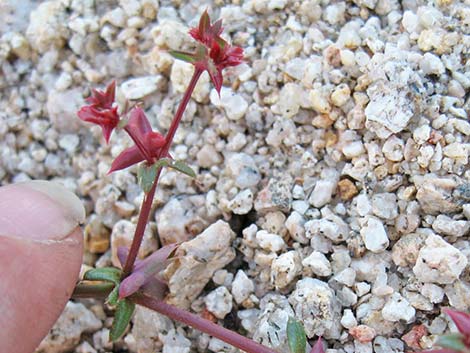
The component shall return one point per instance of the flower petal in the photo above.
(126, 158)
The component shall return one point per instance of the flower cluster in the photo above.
(148, 143)
(214, 53)
(101, 111)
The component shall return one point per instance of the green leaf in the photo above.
(108, 274)
(180, 55)
(296, 336)
(122, 317)
(113, 297)
(453, 341)
(183, 168)
(146, 176)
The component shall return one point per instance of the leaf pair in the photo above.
(146, 174)
(124, 307)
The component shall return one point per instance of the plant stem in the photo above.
(100, 290)
(197, 322)
(148, 199)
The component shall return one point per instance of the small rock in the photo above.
(242, 203)
(340, 95)
(148, 329)
(271, 323)
(318, 263)
(324, 188)
(283, 132)
(242, 168)
(276, 196)
(219, 302)
(65, 335)
(348, 320)
(406, 249)
(208, 157)
(179, 220)
(285, 269)
(289, 99)
(435, 194)
(431, 65)
(393, 149)
(242, 287)
(138, 88)
(346, 189)
(330, 226)
(363, 333)
(197, 261)
(62, 107)
(96, 236)
(384, 205)
(295, 226)
(398, 308)
(235, 105)
(447, 226)
(433, 292)
(439, 262)
(413, 337)
(270, 242)
(316, 307)
(176, 342)
(374, 235)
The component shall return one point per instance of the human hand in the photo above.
(40, 258)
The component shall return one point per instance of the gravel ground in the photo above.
(333, 181)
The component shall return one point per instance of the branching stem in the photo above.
(148, 199)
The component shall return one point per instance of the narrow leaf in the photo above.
(146, 176)
(188, 57)
(452, 341)
(113, 297)
(318, 346)
(296, 336)
(122, 317)
(108, 274)
(183, 168)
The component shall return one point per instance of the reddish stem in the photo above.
(148, 199)
(197, 322)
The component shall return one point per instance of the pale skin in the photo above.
(40, 258)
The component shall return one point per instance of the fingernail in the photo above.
(39, 210)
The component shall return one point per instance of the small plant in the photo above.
(455, 342)
(138, 281)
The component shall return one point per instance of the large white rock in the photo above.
(439, 262)
(197, 260)
(315, 305)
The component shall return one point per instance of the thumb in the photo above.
(40, 258)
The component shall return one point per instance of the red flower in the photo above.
(222, 55)
(148, 143)
(101, 111)
(206, 32)
(215, 54)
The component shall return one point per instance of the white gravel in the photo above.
(338, 150)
